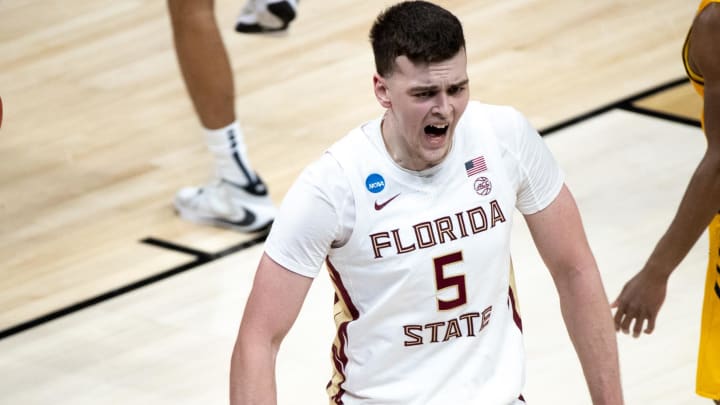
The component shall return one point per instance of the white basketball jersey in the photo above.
(424, 309)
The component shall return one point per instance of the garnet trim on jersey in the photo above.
(343, 305)
(516, 314)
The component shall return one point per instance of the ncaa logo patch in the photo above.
(375, 183)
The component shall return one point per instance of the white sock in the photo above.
(228, 147)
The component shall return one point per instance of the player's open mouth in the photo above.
(436, 130)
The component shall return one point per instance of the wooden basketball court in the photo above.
(107, 297)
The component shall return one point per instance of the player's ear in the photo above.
(381, 91)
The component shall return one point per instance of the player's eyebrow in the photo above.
(419, 89)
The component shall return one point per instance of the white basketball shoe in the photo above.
(266, 16)
(227, 205)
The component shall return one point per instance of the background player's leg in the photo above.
(237, 199)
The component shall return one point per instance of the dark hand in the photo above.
(639, 301)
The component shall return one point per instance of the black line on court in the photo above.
(662, 115)
(202, 257)
(174, 246)
(209, 257)
(627, 104)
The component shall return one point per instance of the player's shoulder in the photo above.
(325, 166)
(501, 118)
(478, 107)
(492, 113)
(704, 35)
(706, 26)
(343, 156)
(362, 141)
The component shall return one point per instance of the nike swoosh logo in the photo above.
(246, 221)
(256, 188)
(378, 207)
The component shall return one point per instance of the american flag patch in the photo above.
(475, 166)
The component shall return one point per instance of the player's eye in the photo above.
(453, 90)
(425, 94)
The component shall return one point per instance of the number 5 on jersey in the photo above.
(443, 282)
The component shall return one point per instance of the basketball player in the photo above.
(412, 213)
(237, 198)
(642, 296)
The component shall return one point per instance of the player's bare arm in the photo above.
(559, 236)
(274, 303)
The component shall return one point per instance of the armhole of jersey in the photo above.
(696, 78)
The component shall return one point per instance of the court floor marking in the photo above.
(628, 105)
(201, 257)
